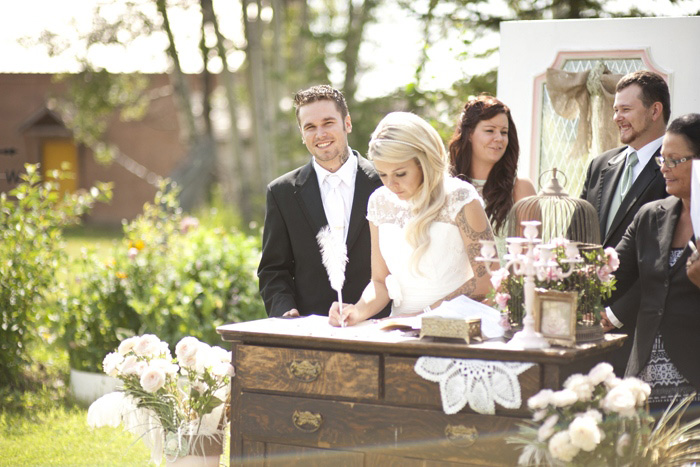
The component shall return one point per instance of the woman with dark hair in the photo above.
(656, 248)
(484, 151)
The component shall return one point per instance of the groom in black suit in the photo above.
(334, 186)
(622, 180)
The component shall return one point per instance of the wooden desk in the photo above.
(304, 395)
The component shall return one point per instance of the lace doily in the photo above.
(384, 207)
(479, 383)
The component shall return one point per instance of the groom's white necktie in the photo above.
(335, 206)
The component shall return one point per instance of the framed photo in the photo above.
(555, 316)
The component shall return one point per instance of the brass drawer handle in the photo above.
(462, 434)
(305, 371)
(307, 422)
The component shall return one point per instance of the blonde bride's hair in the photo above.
(401, 137)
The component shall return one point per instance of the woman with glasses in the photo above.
(656, 248)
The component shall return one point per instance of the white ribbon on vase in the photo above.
(480, 383)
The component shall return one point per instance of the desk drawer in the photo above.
(396, 431)
(403, 386)
(308, 371)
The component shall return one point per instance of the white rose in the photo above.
(168, 367)
(581, 385)
(164, 350)
(540, 400)
(130, 366)
(560, 447)
(221, 354)
(539, 415)
(612, 382)
(222, 369)
(200, 386)
(600, 373)
(563, 398)
(152, 379)
(127, 344)
(147, 346)
(204, 359)
(639, 389)
(186, 351)
(547, 428)
(623, 443)
(620, 400)
(111, 363)
(594, 414)
(584, 433)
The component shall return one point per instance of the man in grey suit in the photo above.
(622, 180)
(331, 189)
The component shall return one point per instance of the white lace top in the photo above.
(443, 268)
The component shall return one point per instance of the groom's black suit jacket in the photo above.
(604, 173)
(291, 274)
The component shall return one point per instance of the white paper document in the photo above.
(695, 198)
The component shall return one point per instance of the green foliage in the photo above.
(32, 217)
(91, 100)
(169, 276)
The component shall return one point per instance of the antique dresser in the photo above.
(307, 394)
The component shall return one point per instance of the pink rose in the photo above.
(604, 273)
(498, 277)
(502, 300)
(612, 258)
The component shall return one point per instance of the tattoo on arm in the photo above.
(466, 289)
(470, 233)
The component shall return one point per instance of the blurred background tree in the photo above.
(283, 46)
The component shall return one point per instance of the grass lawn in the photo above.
(42, 426)
(103, 239)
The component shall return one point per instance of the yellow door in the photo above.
(56, 152)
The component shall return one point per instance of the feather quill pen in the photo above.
(334, 256)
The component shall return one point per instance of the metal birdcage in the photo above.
(561, 216)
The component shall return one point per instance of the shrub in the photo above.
(170, 277)
(32, 216)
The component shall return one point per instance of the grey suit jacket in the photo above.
(290, 273)
(603, 175)
(670, 303)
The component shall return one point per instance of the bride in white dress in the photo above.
(425, 226)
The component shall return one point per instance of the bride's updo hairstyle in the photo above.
(400, 137)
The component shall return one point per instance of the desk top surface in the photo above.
(314, 332)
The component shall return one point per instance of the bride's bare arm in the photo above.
(473, 226)
(375, 296)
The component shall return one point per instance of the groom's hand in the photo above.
(293, 313)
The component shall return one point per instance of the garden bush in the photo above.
(32, 216)
(170, 276)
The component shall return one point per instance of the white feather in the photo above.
(334, 255)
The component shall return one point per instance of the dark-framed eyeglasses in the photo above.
(671, 163)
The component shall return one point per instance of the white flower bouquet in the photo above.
(599, 419)
(176, 406)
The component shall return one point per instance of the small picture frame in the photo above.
(555, 316)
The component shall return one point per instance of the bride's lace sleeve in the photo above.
(385, 208)
(459, 194)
